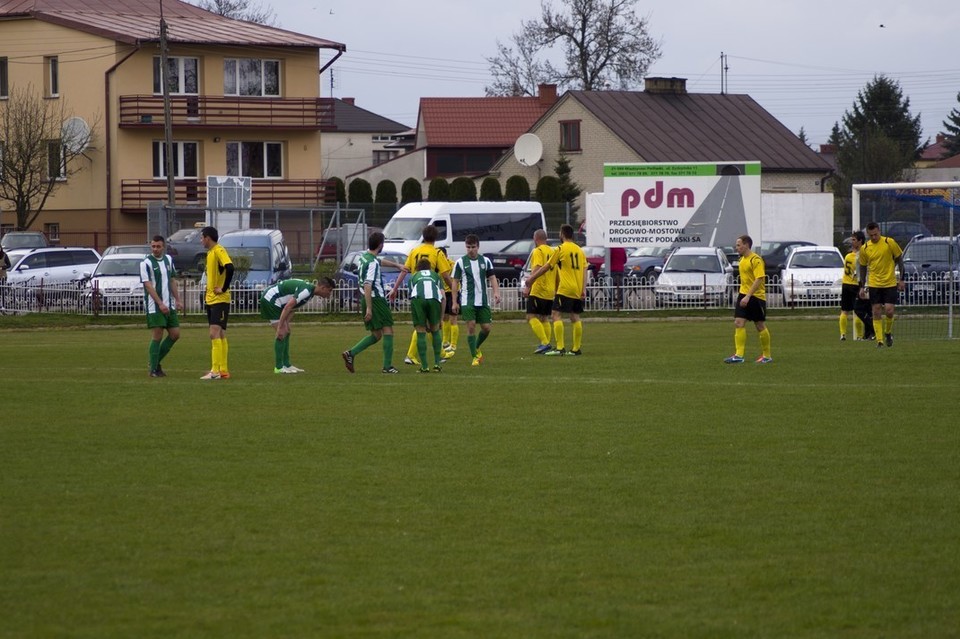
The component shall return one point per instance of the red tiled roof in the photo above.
(952, 162)
(133, 21)
(478, 122)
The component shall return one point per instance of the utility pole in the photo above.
(167, 124)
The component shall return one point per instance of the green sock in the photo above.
(437, 347)
(472, 343)
(388, 350)
(154, 355)
(165, 347)
(482, 338)
(278, 353)
(286, 350)
(363, 345)
(422, 348)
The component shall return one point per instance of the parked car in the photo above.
(932, 268)
(16, 244)
(260, 257)
(902, 232)
(186, 250)
(596, 256)
(643, 262)
(775, 255)
(695, 276)
(347, 276)
(53, 265)
(813, 274)
(115, 283)
(508, 263)
(127, 249)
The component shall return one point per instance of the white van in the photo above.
(495, 223)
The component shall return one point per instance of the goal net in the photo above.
(922, 218)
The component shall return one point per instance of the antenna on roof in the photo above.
(528, 149)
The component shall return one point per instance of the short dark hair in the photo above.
(423, 264)
(860, 236)
(430, 233)
(209, 231)
(375, 240)
(326, 281)
(872, 225)
(746, 239)
(566, 231)
(473, 238)
(159, 238)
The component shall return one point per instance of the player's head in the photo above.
(324, 287)
(539, 237)
(423, 264)
(566, 231)
(873, 232)
(209, 236)
(857, 239)
(744, 245)
(158, 246)
(375, 241)
(430, 234)
(472, 244)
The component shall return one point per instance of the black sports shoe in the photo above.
(155, 373)
(889, 339)
(160, 372)
(437, 369)
(422, 370)
(576, 352)
(348, 360)
(390, 370)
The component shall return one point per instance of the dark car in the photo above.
(643, 262)
(508, 263)
(186, 250)
(902, 232)
(775, 254)
(347, 276)
(931, 266)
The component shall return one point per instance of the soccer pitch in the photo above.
(644, 489)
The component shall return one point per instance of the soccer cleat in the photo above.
(733, 359)
(879, 343)
(211, 375)
(292, 370)
(888, 337)
(423, 370)
(764, 360)
(556, 351)
(155, 373)
(449, 353)
(540, 350)
(476, 361)
(348, 360)
(160, 372)
(411, 361)
(576, 352)
(445, 346)
(843, 338)
(224, 375)
(287, 370)
(296, 369)
(277, 371)
(390, 371)
(437, 369)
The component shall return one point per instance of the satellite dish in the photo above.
(528, 149)
(76, 135)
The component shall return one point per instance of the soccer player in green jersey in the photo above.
(161, 299)
(883, 258)
(426, 307)
(376, 311)
(751, 303)
(471, 274)
(571, 264)
(278, 303)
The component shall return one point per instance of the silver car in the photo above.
(695, 276)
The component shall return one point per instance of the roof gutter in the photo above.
(340, 51)
(108, 141)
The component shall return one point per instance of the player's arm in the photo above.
(898, 260)
(283, 326)
(152, 292)
(175, 291)
(368, 299)
(495, 285)
(454, 290)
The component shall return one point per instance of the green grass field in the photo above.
(643, 490)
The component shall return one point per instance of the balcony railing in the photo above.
(136, 194)
(227, 111)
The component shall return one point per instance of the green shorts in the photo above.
(159, 320)
(478, 314)
(270, 311)
(381, 316)
(426, 312)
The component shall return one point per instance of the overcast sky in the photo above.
(804, 61)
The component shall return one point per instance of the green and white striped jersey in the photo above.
(369, 271)
(159, 273)
(282, 292)
(426, 285)
(472, 275)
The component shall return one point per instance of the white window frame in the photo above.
(179, 147)
(235, 147)
(63, 159)
(231, 77)
(180, 62)
(52, 231)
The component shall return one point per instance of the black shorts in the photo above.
(755, 311)
(448, 304)
(566, 304)
(848, 297)
(218, 314)
(889, 295)
(538, 306)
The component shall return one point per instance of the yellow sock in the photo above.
(454, 335)
(558, 334)
(740, 340)
(858, 327)
(887, 325)
(878, 329)
(215, 354)
(224, 349)
(577, 335)
(843, 323)
(547, 330)
(445, 331)
(537, 328)
(412, 352)
(765, 342)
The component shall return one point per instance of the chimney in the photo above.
(665, 86)
(827, 149)
(547, 94)
(349, 101)
(941, 138)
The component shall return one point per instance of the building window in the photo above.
(183, 75)
(56, 160)
(4, 82)
(251, 76)
(184, 159)
(1, 157)
(255, 159)
(51, 74)
(570, 135)
(379, 157)
(52, 231)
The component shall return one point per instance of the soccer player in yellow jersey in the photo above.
(850, 288)
(438, 263)
(751, 303)
(542, 293)
(878, 256)
(217, 298)
(571, 264)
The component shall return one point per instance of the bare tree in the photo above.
(38, 145)
(247, 10)
(605, 44)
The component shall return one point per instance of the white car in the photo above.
(52, 265)
(115, 283)
(813, 274)
(695, 276)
